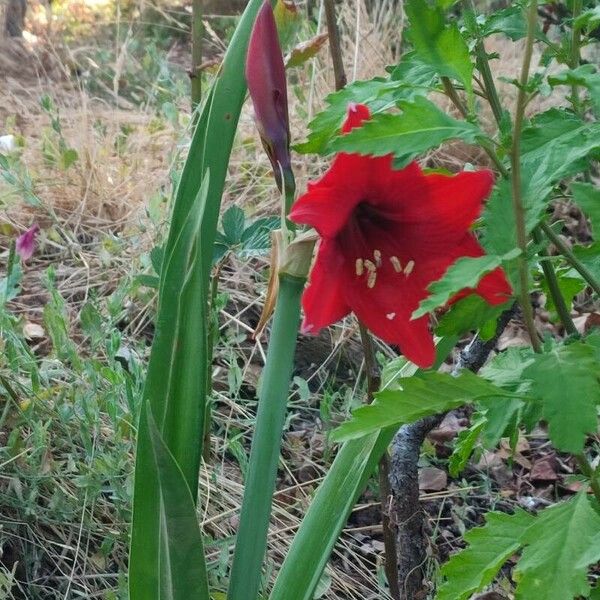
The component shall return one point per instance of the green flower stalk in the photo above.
(265, 74)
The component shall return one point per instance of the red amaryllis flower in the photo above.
(265, 74)
(385, 236)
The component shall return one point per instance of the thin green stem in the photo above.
(251, 542)
(587, 469)
(575, 58)
(559, 302)
(483, 65)
(389, 536)
(452, 94)
(571, 258)
(515, 177)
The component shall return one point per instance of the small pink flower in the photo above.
(25, 244)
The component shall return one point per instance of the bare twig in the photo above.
(404, 474)
(385, 494)
(334, 45)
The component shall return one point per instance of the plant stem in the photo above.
(571, 258)
(559, 302)
(251, 541)
(490, 87)
(334, 45)
(197, 30)
(451, 93)
(575, 43)
(587, 469)
(515, 177)
(385, 493)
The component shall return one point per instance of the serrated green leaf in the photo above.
(489, 548)
(567, 379)
(256, 239)
(509, 21)
(439, 44)
(420, 127)
(590, 19)
(469, 314)
(413, 73)
(378, 93)
(463, 448)
(499, 228)
(589, 256)
(586, 76)
(587, 197)
(569, 288)
(501, 419)
(464, 273)
(428, 394)
(506, 368)
(561, 541)
(234, 223)
(554, 146)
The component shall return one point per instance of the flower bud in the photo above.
(265, 74)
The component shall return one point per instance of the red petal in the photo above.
(329, 202)
(494, 288)
(323, 300)
(437, 209)
(413, 337)
(357, 115)
(386, 310)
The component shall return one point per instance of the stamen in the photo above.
(408, 269)
(371, 279)
(370, 265)
(377, 255)
(359, 266)
(391, 316)
(396, 264)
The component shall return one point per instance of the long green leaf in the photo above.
(332, 505)
(327, 515)
(181, 383)
(183, 568)
(176, 385)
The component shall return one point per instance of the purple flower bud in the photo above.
(25, 244)
(265, 73)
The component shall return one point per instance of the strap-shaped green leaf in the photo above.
(183, 568)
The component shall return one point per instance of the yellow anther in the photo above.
(408, 269)
(370, 265)
(390, 316)
(396, 263)
(377, 255)
(371, 279)
(359, 266)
